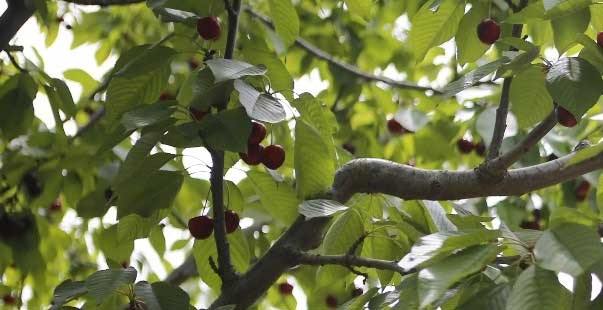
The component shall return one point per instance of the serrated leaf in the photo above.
(569, 248)
(518, 63)
(537, 289)
(148, 115)
(157, 239)
(472, 77)
(565, 28)
(320, 208)
(591, 51)
(278, 199)
(440, 244)
(143, 196)
(228, 130)
(469, 47)
(431, 29)
(559, 8)
(201, 91)
(103, 283)
(67, 291)
(438, 216)
(228, 69)
(162, 296)
(314, 167)
(437, 278)
(574, 84)
(262, 107)
(343, 233)
(530, 99)
(285, 19)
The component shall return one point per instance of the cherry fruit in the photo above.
(488, 31)
(274, 156)
(209, 28)
(566, 118)
(465, 146)
(254, 155)
(349, 147)
(8, 299)
(55, 206)
(480, 149)
(285, 288)
(231, 220)
(357, 292)
(600, 39)
(394, 127)
(582, 190)
(258, 133)
(331, 301)
(197, 114)
(201, 227)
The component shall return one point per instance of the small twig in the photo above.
(14, 62)
(213, 266)
(348, 261)
(506, 160)
(317, 52)
(96, 116)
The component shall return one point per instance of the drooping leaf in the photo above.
(103, 283)
(538, 288)
(320, 208)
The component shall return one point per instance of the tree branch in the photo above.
(317, 52)
(506, 160)
(226, 270)
(15, 16)
(500, 125)
(349, 260)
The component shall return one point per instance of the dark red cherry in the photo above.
(600, 39)
(254, 155)
(566, 118)
(201, 227)
(394, 127)
(274, 156)
(231, 220)
(258, 133)
(582, 190)
(465, 146)
(209, 28)
(285, 288)
(488, 31)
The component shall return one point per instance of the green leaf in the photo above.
(67, 291)
(537, 289)
(591, 51)
(530, 99)
(228, 69)
(157, 239)
(569, 248)
(63, 94)
(343, 233)
(320, 208)
(517, 64)
(285, 19)
(574, 84)
(566, 28)
(431, 29)
(361, 8)
(314, 167)
(145, 195)
(103, 283)
(82, 77)
(559, 8)
(262, 107)
(256, 51)
(143, 75)
(16, 103)
(438, 215)
(148, 115)
(162, 296)
(437, 278)
(381, 245)
(278, 198)
(469, 47)
(227, 130)
(472, 77)
(492, 298)
(435, 246)
(113, 249)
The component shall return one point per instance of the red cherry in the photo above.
(231, 220)
(357, 292)
(600, 39)
(201, 227)
(258, 133)
(55, 206)
(349, 147)
(394, 127)
(488, 31)
(197, 114)
(209, 28)
(331, 301)
(254, 155)
(8, 299)
(285, 288)
(530, 225)
(465, 146)
(480, 149)
(166, 96)
(274, 156)
(566, 118)
(193, 64)
(582, 190)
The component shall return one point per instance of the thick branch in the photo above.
(506, 160)
(12, 20)
(500, 125)
(317, 52)
(382, 176)
(349, 260)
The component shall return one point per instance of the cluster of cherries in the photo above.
(465, 147)
(272, 156)
(201, 227)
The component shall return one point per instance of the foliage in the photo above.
(474, 253)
